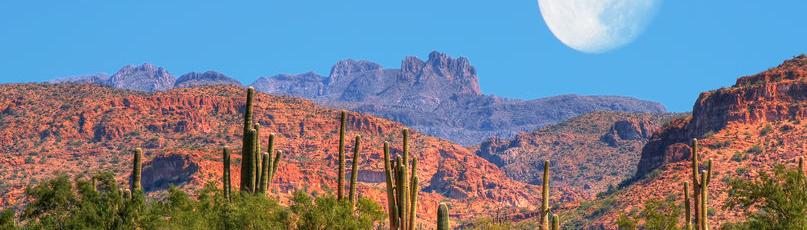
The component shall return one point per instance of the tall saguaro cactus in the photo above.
(248, 163)
(227, 185)
(392, 207)
(340, 184)
(248, 160)
(354, 171)
(137, 168)
(545, 198)
(442, 217)
(688, 214)
(700, 183)
(402, 188)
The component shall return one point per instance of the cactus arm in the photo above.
(391, 207)
(443, 222)
(413, 196)
(687, 214)
(354, 171)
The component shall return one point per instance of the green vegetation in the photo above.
(59, 204)
(777, 201)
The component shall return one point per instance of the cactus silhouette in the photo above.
(700, 183)
(354, 171)
(227, 185)
(137, 168)
(442, 217)
(545, 198)
(340, 184)
(402, 188)
(687, 214)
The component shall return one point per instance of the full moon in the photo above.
(596, 26)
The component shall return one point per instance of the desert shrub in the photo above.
(625, 222)
(59, 203)
(777, 201)
(755, 149)
(326, 212)
(765, 130)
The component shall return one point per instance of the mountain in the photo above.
(99, 78)
(196, 79)
(146, 77)
(441, 97)
(746, 129)
(49, 129)
(589, 154)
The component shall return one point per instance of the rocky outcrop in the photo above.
(440, 96)
(196, 79)
(589, 153)
(165, 171)
(773, 95)
(146, 77)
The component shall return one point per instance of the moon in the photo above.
(597, 26)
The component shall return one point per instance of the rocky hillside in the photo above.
(75, 128)
(439, 96)
(589, 154)
(745, 129)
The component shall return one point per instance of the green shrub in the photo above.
(777, 201)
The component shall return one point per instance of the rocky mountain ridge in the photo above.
(777, 94)
(439, 96)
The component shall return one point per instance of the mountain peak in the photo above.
(441, 70)
(146, 77)
(349, 66)
(194, 79)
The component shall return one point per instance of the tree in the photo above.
(777, 201)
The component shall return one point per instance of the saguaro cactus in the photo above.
(135, 185)
(402, 189)
(266, 165)
(700, 183)
(227, 185)
(340, 184)
(413, 196)
(392, 207)
(545, 198)
(275, 164)
(258, 157)
(442, 217)
(248, 164)
(555, 222)
(248, 160)
(354, 171)
(704, 197)
(688, 214)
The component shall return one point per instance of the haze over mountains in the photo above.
(439, 96)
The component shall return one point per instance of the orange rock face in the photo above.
(47, 129)
(745, 129)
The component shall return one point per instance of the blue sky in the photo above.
(691, 46)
